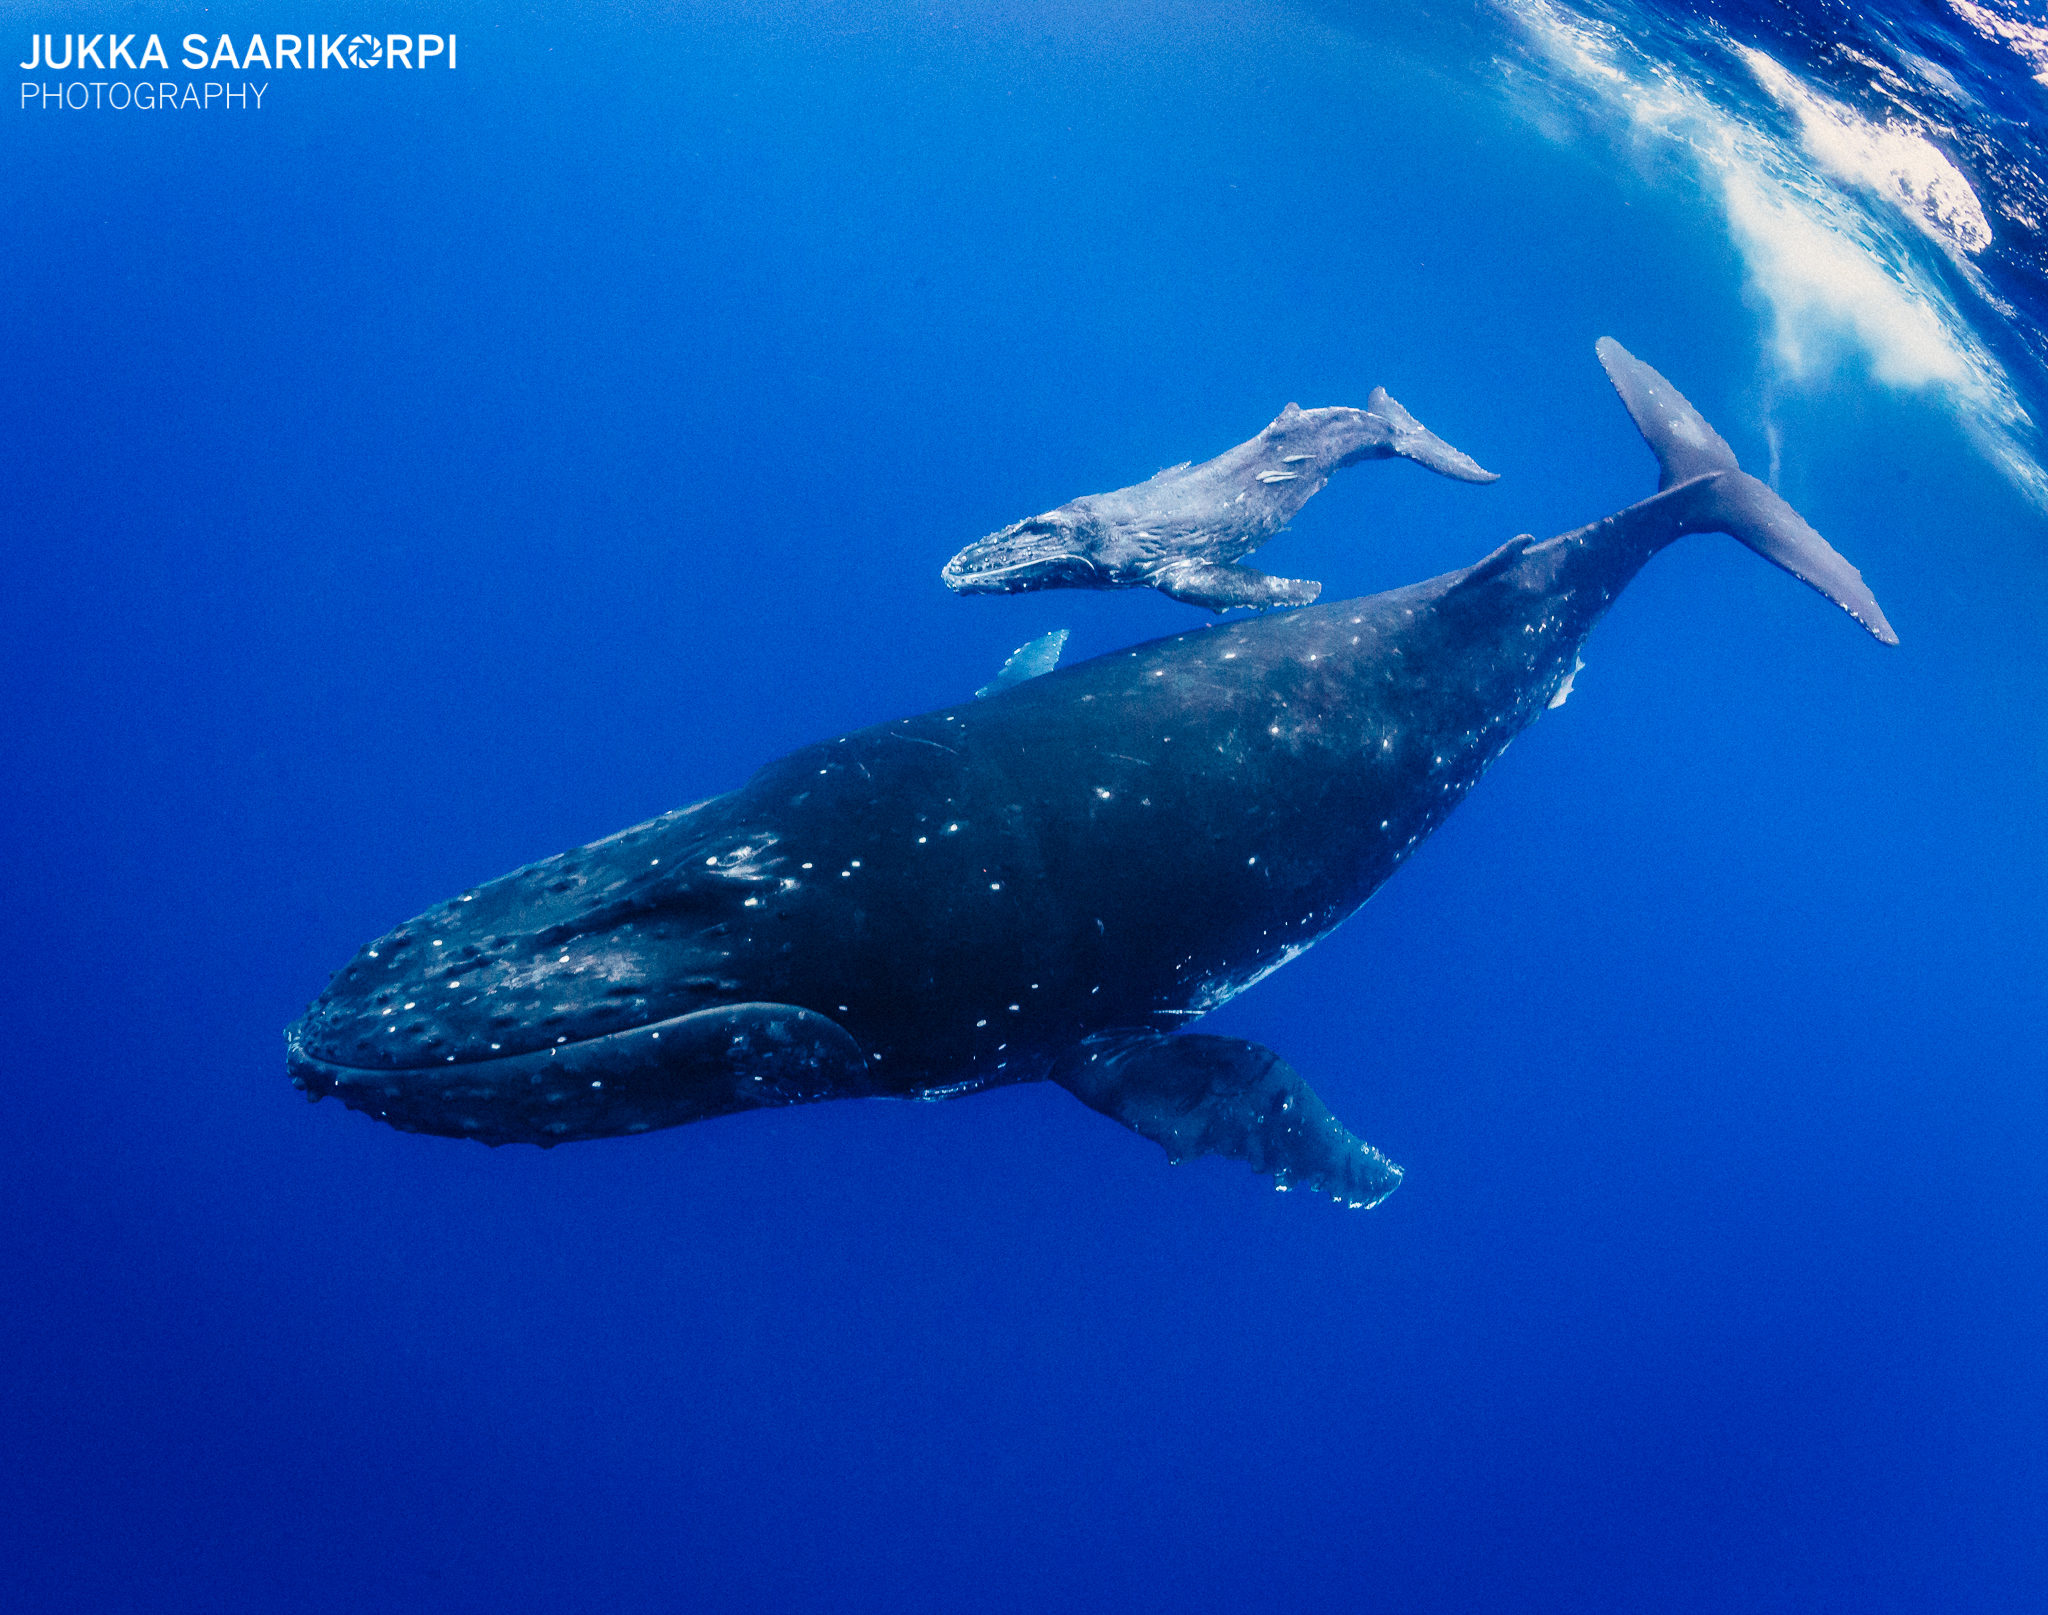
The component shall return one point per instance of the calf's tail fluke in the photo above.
(1710, 493)
(1410, 439)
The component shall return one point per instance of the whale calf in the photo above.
(1183, 531)
(1046, 884)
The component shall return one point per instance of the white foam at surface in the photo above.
(1900, 164)
(2027, 40)
(1835, 280)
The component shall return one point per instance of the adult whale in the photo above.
(1047, 884)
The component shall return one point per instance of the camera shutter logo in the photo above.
(366, 50)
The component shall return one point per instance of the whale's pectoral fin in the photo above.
(1031, 660)
(1218, 588)
(1200, 1095)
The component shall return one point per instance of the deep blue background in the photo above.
(427, 474)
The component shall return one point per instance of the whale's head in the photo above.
(587, 995)
(1053, 551)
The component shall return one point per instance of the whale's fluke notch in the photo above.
(1031, 660)
(1710, 493)
(1200, 1095)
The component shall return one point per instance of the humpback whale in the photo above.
(1183, 531)
(1046, 884)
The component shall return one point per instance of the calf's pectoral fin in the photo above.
(1218, 588)
(1033, 659)
(1200, 1095)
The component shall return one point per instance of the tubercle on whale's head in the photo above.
(1040, 552)
(621, 933)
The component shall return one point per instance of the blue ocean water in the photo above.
(427, 471)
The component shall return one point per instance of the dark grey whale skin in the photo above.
(1042, 884)
(1119, 846)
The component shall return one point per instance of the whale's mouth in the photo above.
(542, 1094)
(685, 1068)
(1032, 554)
(319, 1067)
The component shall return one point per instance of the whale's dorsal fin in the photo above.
(1491, 566)
(1027, 661)
(1200, 1095)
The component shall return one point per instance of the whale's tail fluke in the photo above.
(1411, 440)
(1715, 495)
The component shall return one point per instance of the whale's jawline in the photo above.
(688, 1068)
